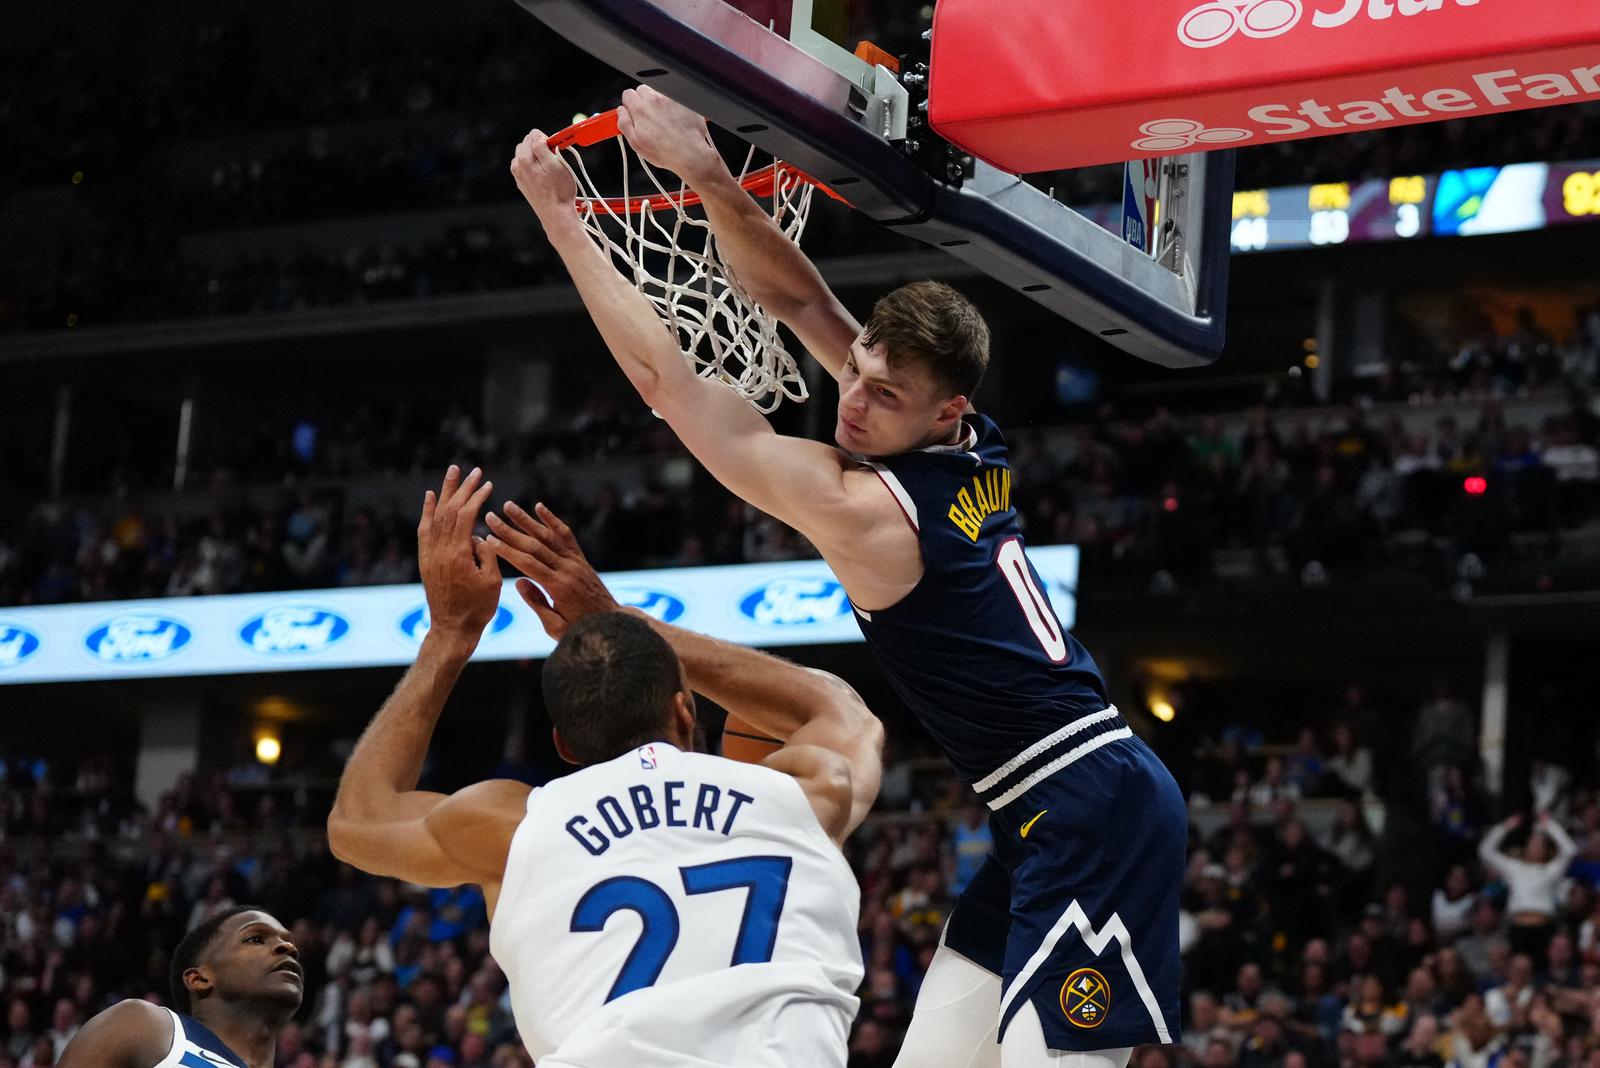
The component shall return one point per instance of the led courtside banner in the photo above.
(1038, 85)
(796, 603)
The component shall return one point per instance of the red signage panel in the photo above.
(1034, 85)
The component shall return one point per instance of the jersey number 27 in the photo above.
(765, 878)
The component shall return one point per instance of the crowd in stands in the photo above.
(1150, 499)
(1334, 916)
(391, 123)
(1157, 498)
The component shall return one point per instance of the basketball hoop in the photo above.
(673, 259)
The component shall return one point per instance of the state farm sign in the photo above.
(1233, 72)
(1219, 21)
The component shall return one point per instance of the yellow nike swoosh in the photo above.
(1026, 827)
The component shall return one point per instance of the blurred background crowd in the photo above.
(1341, 910)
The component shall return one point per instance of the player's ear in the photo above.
(951, 410)
(561, 747)
(683, 714)
(198, 980)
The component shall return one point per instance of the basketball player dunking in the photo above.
(1064, 949)
(236, 981)
(659, 906)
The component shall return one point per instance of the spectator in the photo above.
(1350, 763)
(972, 842)
(1452, 904)
(1531, 879)
(1444, 735)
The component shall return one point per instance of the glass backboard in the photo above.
(786, 76)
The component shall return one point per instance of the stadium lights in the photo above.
(1162, 709)
(268, 748)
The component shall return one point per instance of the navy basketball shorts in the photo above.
(1077, 908)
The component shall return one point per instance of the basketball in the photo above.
(741, 741)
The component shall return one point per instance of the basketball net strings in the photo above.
(675, 264)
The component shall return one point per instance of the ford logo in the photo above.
(293, 629)
(138, 637)
(796, 602)
(654, 603)
(416, 623)
(17, 643)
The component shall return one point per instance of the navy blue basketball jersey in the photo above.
(975, 649)
(194, 1045)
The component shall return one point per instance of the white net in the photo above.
(673, 259)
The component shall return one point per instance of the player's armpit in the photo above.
(825, 778)
(838, 760)
(475, 825)
(130, 1034)
(434, 839)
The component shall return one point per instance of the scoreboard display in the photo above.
(1479, 200)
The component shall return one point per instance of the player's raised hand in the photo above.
(459, 575)
(667, 134)
(543, 548)
(544, 181)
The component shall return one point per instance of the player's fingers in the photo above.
(462, 498)
(428, 501)
(522, 560)
(548, 539)
(539, 151)
(522, 541)
(447, 489)
(560, 529)
(549, 618)
(525, 522)
(474, 504)
(488, 563)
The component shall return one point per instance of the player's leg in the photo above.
(955, 1023)
(957, 1017)
(1025, 1047)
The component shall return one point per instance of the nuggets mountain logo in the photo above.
(1086, 998)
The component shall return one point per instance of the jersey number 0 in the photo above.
(1013, 565)
(766, 879)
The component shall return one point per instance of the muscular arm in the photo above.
(130, 1034)
(832, 742)
(769, 265)
(802, 483)
(774, 271)
(382, 824)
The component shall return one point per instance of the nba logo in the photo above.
(647, 757)
(1141, 194)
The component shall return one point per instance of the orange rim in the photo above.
(603, 127)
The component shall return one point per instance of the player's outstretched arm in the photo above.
(797, 481)
(130, 1034)
(380, 822)
(770, 266)
(833, 744)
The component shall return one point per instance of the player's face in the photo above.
(253, 959)
(885, 410)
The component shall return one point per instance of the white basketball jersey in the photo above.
(674, 909)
